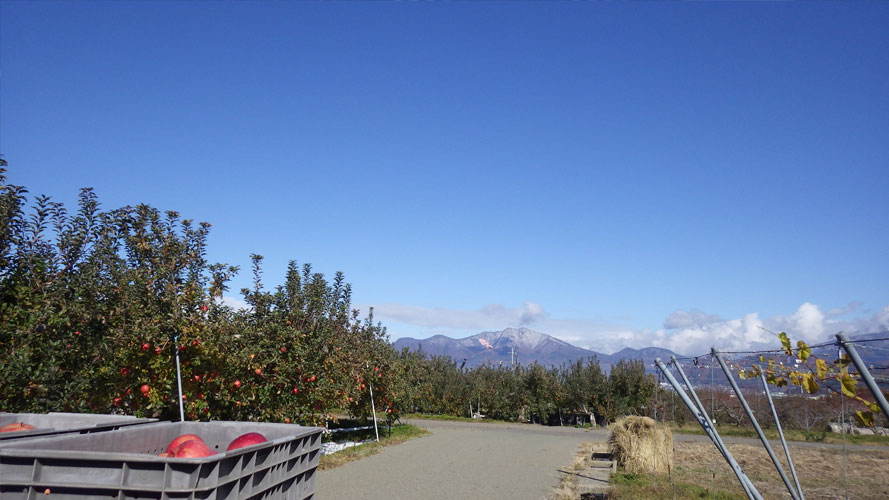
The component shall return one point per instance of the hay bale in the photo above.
(640, 445)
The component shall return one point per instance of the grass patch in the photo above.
(789, 435)
(821, 472)
(647, 487)
(396, 435)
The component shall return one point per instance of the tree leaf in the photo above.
(803, 351)
(742, 375)
(809, 383)
(821, 368)
(785, 343)
(762, 359)
(865, 418)
(847, 384)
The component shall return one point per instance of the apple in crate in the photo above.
(248, 439)
(179, 441)
(17, 426)
(194, 448)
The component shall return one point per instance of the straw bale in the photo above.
(640, 445)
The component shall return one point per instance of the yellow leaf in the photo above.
(785, 343)
(809, 383)
(865, 418)
(780, 382)
(803, 351)
(873, 406)
(742, 375)
(847, 384)
(762, 359)
(821, 368)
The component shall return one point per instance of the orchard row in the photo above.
(96, 305)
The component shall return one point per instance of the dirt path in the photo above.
(461, 460)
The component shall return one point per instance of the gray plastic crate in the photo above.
(61, 423)
(124, 464)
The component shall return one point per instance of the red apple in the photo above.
(158, 350)
(258, 371)
(296, 390)
(146, 346)
(194, 449)
(248, 439)
(179, 441)
(283, 349)
(145, 389)
(237, 384)
(203, 308)
(17, 426)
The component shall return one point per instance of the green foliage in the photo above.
(95, 305)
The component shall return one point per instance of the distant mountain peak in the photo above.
(527, 345)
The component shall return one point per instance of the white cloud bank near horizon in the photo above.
(687, 332)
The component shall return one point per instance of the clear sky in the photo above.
(673, 174)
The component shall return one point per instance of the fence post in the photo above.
(749, 489)
(762, 436)
(765, 385)
(865, 374)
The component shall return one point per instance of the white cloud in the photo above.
(491, 316)
(690, 318)
(234, 303)
(690, 332)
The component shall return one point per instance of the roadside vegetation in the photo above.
(822, 436)
(396, 434)
(700, 472)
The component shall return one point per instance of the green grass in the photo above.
(646, 487)
(789, 435)
(396, 435)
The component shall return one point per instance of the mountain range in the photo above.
(523, 346)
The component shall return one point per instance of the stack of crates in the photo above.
(124, 464)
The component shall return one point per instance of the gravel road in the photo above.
(461, 460)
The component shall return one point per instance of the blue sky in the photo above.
(635, 174)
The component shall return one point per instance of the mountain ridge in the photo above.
(527, 345)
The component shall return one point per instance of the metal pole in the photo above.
(749, 489)
(762, 436)
(717, 439)
(865, 374)
(373, 409)
(178, 378)
(765, 385)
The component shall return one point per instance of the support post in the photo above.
(762, 436)
(373, 408)
(717, 439)
(749, 489)
(178, 378)
(765, 385)
(865, 374)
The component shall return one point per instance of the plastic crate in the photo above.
(124, 464)
(61, 423)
